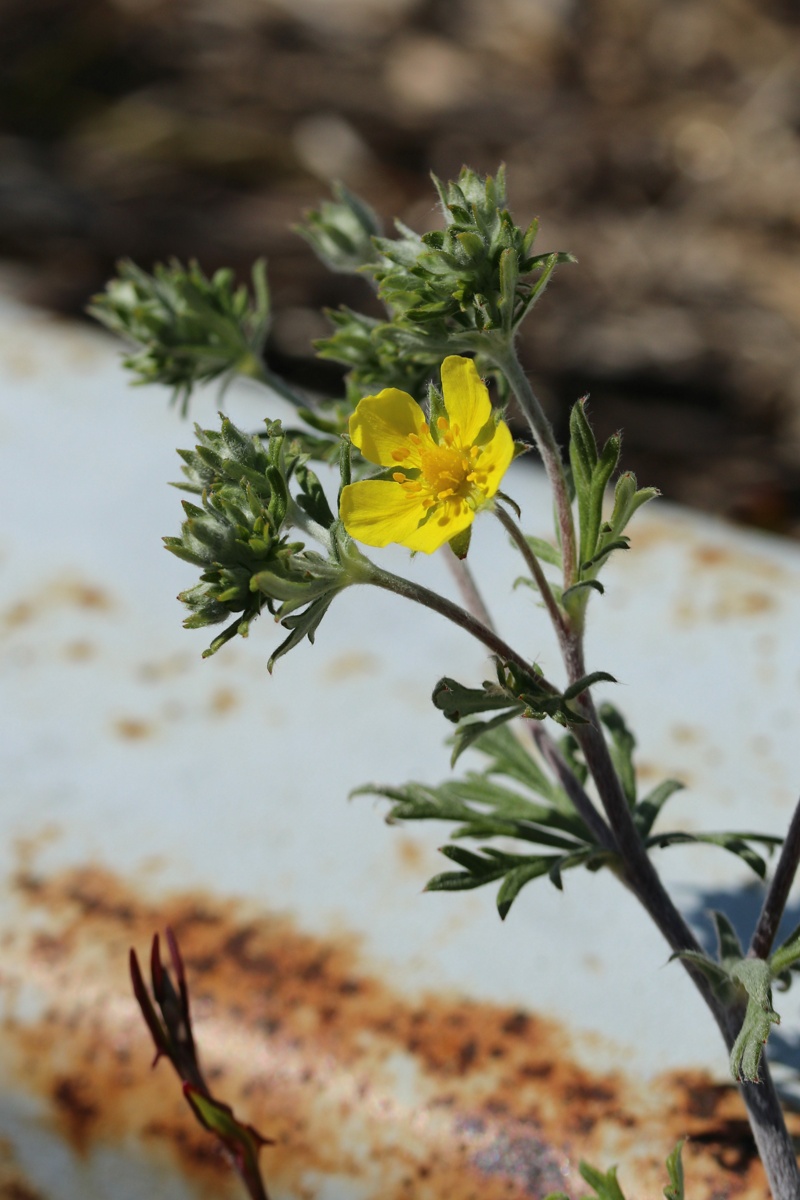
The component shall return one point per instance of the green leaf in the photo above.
(787, 954)
(716, 974)
(581, 587)
(603, 553)
(754, 974)
(457, 701)
(461, 542)
(623, 744)
(508, 756)
(470, 732)
(302, 625)
(734, 843)
(515, 881)
(729, 948)
(675, 1188)
(586, 681)
(647, 810)
(544, 550)
(606, 1186)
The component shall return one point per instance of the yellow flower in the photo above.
(439, 482)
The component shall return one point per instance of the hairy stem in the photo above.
(535, 568)
(470, 593)
(778, 894)
(446, 608)
(546, 444)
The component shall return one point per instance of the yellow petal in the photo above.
(465, 397)
(382, 424)
(447, 519)
(496, 458)
(380, 511)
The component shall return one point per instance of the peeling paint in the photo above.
(431, 1095)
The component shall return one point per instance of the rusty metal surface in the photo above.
(395, 1044)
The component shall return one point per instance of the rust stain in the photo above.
(223, 701)
(411, 854)
(79, 651)
(745, 604)
(13, 1183)
(350, 666)
(431, 1097)
(57, 593)
(133, 729)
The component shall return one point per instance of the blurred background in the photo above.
(658, 140)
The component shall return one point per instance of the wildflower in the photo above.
(443, 471)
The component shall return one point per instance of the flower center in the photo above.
(447, 471)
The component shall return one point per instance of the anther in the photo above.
(398, 477)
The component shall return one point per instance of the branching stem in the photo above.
(763, 1106)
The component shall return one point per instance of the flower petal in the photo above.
(381, 425)
(447, 519)
(496, 458)
(379, 511)
(465, 397)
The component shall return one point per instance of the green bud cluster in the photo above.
(237, 530)
(473, 278)
(239, 535)
(189, 329)
(375, 359)
(341, 232)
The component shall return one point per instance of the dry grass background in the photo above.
(659, 140)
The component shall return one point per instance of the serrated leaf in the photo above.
(302, 625)
(515, 881)
(509, 757)
(457, 701)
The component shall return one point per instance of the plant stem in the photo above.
(581, 800)
(775, 899)
(253, 367)
(547, 747)
(763, 1107)
(546, 444)
(535, 568)
(446, 608)
(470, 594)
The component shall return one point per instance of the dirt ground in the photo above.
(659, 140)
